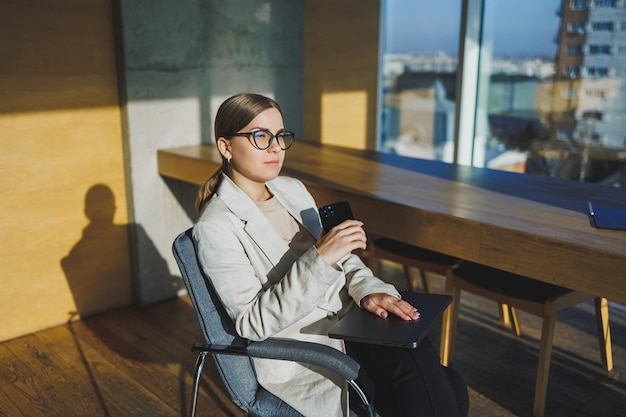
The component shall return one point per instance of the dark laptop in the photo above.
(362, 326)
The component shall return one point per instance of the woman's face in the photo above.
(249, 166)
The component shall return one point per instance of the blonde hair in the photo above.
(234, 114)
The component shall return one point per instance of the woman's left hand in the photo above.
(381, 303)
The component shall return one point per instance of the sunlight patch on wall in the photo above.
(344, 119)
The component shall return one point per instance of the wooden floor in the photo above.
(137, 362)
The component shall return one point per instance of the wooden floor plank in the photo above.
(114, 378)
(181, 323)
(150, 356)
(25, 387)
(152, 327)
(64, 341)
(7, 406)
(70, 387)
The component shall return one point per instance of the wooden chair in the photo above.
(410, 256)
(535, 297)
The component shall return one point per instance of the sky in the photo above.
(516, 28)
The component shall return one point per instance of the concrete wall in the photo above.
(180, 60)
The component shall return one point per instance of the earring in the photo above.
(228, 160)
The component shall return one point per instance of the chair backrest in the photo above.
(236, 372)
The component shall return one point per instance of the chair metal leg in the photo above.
(369, 407)
(604, 332)
(196, 383)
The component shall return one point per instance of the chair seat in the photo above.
(509, 284)
(413, 252)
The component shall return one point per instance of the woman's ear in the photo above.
(223, 145)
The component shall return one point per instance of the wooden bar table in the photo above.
(530, 225)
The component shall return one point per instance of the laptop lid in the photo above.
(360, 325)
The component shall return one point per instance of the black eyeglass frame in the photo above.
(250, 136)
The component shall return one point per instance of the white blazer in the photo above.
(269, 292)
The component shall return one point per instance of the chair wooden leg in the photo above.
(407, 276)
(505, 319)
(604, 332)
(545, 353)
(515, 324)
(508, 317)
(448, 325)
(425, 284)
(504, 315)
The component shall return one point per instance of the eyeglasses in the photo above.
(262, 139)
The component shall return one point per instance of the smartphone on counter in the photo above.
(334, 214)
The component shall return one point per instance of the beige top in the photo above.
(295, 235)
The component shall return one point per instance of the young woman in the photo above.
(259, 241)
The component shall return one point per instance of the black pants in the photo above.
(409, 382)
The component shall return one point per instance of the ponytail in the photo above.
(208, 188)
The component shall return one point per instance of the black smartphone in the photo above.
(335, 213)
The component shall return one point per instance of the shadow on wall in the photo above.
(98, 271)
(99, 268)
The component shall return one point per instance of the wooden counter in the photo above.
(534, 226)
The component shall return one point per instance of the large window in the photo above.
(420, 45)
(534, 87)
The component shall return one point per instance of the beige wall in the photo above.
(63, 214)
(340, 71)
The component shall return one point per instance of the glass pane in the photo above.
(551, 89)
(420, 43)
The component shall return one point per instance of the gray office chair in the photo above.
(232, 353)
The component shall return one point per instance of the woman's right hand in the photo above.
(341, 240)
